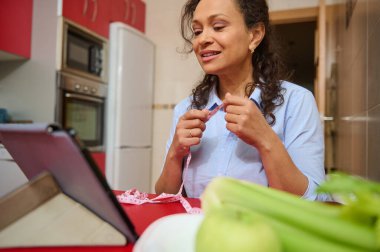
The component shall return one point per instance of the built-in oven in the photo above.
(82, 83)
(81, 106)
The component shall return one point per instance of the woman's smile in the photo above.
(208, 55)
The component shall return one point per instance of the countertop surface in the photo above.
(141, 216)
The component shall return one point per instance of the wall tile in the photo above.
(346, 39)
(374, 68)
(344, 89)
(344, 143)
(359, 27)
(374, 144)
(359, 82)
(373, 16)
(359, 144)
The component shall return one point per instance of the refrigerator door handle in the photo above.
(134, 147)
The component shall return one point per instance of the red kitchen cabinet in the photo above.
(131, 12)
(100, 160)
(92, 14)
(138, 15)
(16, 27)
(99, 19)
(76, 11)
(120, 11)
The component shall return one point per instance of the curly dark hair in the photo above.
(268, 67)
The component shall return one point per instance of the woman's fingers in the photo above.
(232, 118)
(191, 124)
(232, 99)
(190, 128)
(195, 114)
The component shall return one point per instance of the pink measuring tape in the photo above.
(135, 197)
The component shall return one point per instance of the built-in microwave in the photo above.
(84, 53)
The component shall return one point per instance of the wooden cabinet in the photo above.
(131, 12)
(16, 28)
(92, 14)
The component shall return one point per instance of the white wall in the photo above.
(27, 88)
(175, 73)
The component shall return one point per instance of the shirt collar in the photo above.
(215, 101)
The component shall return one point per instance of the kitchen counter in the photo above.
(141, 216)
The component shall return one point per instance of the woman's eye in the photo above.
(197, 32)
(218, 27)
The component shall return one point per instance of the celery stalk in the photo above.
(361, 197)
(311, 216)
(295, 239)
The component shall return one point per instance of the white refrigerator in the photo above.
(129, 113)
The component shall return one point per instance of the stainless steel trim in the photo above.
(84, 97)
(134, 147)
(81, 85)
(328, 118)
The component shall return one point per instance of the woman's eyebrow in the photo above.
(196, 21)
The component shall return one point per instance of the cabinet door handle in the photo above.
(127, 9)
(85, 7)
(133, 13)
(95, 12)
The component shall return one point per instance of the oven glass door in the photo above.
(85, 115)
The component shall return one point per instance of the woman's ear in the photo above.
(257, 35)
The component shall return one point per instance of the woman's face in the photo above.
(221, 40)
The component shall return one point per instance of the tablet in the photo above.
(47, 147)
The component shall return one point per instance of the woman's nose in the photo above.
(205, 38)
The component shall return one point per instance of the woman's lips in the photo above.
(207, 56)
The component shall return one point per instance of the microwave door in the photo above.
(78, 53)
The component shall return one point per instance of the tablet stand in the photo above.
(40, 214)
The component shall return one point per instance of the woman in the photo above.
(269, 130)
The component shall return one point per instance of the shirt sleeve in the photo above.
(304, 140)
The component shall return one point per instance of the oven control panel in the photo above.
(81, 85)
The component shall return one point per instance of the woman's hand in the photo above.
(188, 132)
(246, 121)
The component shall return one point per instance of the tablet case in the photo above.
(39, 148)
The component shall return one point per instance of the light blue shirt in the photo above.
(222, 153)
